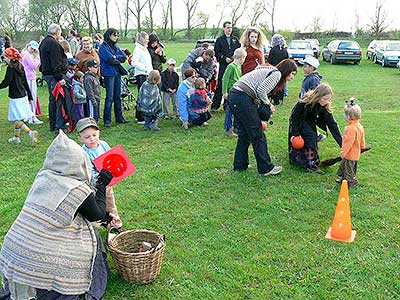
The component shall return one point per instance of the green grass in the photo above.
(238, 236)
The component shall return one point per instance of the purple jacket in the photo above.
(30, 64)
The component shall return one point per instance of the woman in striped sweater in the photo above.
(244, 99)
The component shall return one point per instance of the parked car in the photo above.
(388, 53)
(315, 46)
(371, 51)
(300, 49)
(398, 65)
(210, 42)
(342, 51)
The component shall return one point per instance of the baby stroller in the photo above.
(127, 98)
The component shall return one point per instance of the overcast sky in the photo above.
(297, 14)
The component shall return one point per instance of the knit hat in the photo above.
(278, 40)
(12, 53)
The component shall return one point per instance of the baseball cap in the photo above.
(171, 61)
(310, 60)
(34, 45)
(92, 63)
(86, 123)
(73, 61)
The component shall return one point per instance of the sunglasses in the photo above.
(350, 102)
(115, 34)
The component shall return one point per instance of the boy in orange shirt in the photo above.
(353, 142)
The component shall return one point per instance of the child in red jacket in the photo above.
(353, 142)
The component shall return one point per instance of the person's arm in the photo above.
(297, 119)
(93, 207)
(78, 92)
(218, 50)
(348, 140)
(7, 79)
(106, 54)
(121, 56)
(226, 78)
(182, 104)
(333, 128)
(267, 85)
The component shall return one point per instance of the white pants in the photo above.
(33, 87)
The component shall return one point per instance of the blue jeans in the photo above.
(228, 119)
(55, 112)
(113, 95)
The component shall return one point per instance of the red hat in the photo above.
(12, 53)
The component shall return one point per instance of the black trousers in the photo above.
(217, 99)
(140, 79)
(204, 117)
(249, 132)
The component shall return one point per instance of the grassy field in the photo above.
(239, 236)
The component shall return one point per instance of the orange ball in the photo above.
(297, 142)
(264, 125)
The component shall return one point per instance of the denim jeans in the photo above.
(228, 119)
(55, 112)
(113, 95)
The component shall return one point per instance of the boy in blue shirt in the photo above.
(89, 135)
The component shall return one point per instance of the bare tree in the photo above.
(137, 11)
(15, 18)
(191, 6)
(216, 28)
(270, 8)
(256, 12)
(120, 16)
(126, 18)
(165, 16)
(379, 21)
(107, 2)
(315, 25)
(96, 12)
(151, 5)
(87, 15)
(171, 19)
(237, 10)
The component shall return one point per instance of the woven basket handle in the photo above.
(113, 232)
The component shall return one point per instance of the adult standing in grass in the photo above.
(53, 250)
(31, 62)
(308, 113)
(252, 41)
(86, 54)
(224, 48)
(156, 51)
(111, 59)
(141, 60)
(54, 67)
(245, 98)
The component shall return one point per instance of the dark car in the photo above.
(342, 51)
(200, 43)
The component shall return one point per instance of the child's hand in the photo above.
(226, 96)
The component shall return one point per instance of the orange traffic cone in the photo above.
(341, 227)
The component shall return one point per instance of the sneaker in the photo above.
(205, 124)
(339, 180)
(276, 170)
(230, 133)
(166, 117)
(316, 171)
(140, 122)
(14, 140)
(354, 183)
(34, 137)
(35, 120)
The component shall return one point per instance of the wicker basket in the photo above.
(134, 266)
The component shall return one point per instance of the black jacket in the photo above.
(156, 60)
(304, 118)
(276, 55)
(223, 49)
(52, 58)
(169, 80)
(16, 82)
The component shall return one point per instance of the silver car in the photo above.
(388, 54)
(342, 51)
(315, 46)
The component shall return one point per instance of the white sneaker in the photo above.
(276, 170)
(36, 121)
(140, 122)
(14, 140)
(34, 137)
(205, 124)
(321, 137)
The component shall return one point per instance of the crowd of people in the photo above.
(248, 88)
